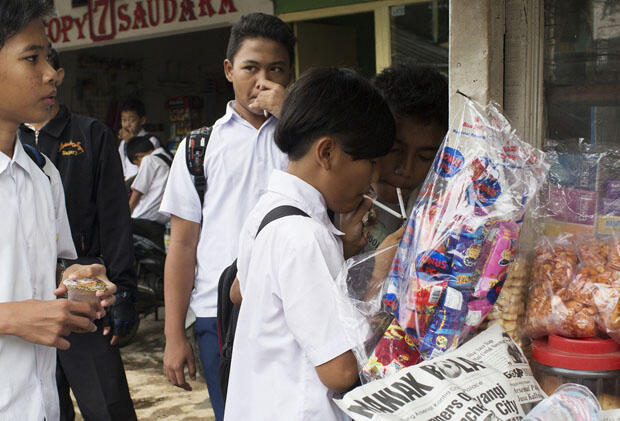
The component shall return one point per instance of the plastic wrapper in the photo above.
(382, 347)
(570, 402)
(462, 234)
(575, 288)
(509, 310)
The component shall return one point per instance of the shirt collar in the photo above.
(20, 157)
(56, 126)
(142, 132)
(233, 115)
(305, 196)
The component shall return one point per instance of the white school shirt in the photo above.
(288, 323)
(129, 168)
(34, 232)
(238, 161)
(151, 182)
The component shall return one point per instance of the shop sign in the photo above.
(108, 21)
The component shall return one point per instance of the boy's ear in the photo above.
(60, 76)
(324, 150)
(228, 66)
(142, 120)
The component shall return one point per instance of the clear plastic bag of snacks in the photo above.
(575, 288)
(575, 279)
(382, 346)
(463, 231)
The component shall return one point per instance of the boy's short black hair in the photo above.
(136, 145)
(15, 15)
(260, 25)
(337, 103)
(414, 91)
(134, 104)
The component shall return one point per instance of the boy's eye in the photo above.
(250, 68)
(277, 69)
(426, 157)
(31, 59)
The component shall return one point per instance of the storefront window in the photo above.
(419, 32)
(582, 70)
(582, 108)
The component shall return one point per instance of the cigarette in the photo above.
(384, 207)
(401, 203)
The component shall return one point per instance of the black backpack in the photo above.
(195, 149)
(227, 312)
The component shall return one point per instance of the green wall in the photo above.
(288, 6)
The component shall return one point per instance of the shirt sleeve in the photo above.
(155, 141)
(66, 248)
(180, 197)
(146, 175)
(310, 299)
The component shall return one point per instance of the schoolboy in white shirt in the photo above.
(35, 230)
(239, 158)
(133, 118)
(147, 188)
(292, 352)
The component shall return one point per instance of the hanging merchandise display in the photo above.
(184, 117)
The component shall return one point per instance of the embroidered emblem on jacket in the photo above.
(70, 148)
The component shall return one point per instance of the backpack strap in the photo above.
(279, 212)
(164, 158)
(195, 150)
(35, 155)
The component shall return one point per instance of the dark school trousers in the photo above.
(209, 348)
(93, 369)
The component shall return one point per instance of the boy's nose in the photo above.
(50, 75)
(405, 167)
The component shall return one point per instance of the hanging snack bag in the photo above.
(463, 232)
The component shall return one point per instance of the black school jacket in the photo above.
(84, 151)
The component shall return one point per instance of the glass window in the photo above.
(419, 32)
(582, 70)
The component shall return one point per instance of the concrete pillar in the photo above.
(476, 51)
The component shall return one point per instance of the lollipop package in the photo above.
(462, 234)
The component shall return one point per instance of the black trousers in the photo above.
(93, 369)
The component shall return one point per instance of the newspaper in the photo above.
(488, 378)
(610, 415)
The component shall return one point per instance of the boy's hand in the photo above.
(47, 322)
(351, 225)
(383, 261)
(270, 98)
(125, 134)
(177, 354)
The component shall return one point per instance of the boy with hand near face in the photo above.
(133, 118)
(292, 352)
(239, 157)
(35, 231)
(418, 98)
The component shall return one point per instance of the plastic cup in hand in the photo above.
(85, 291)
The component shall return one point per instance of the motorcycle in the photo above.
(149, 265)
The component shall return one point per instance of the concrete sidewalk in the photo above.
(153, 396)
